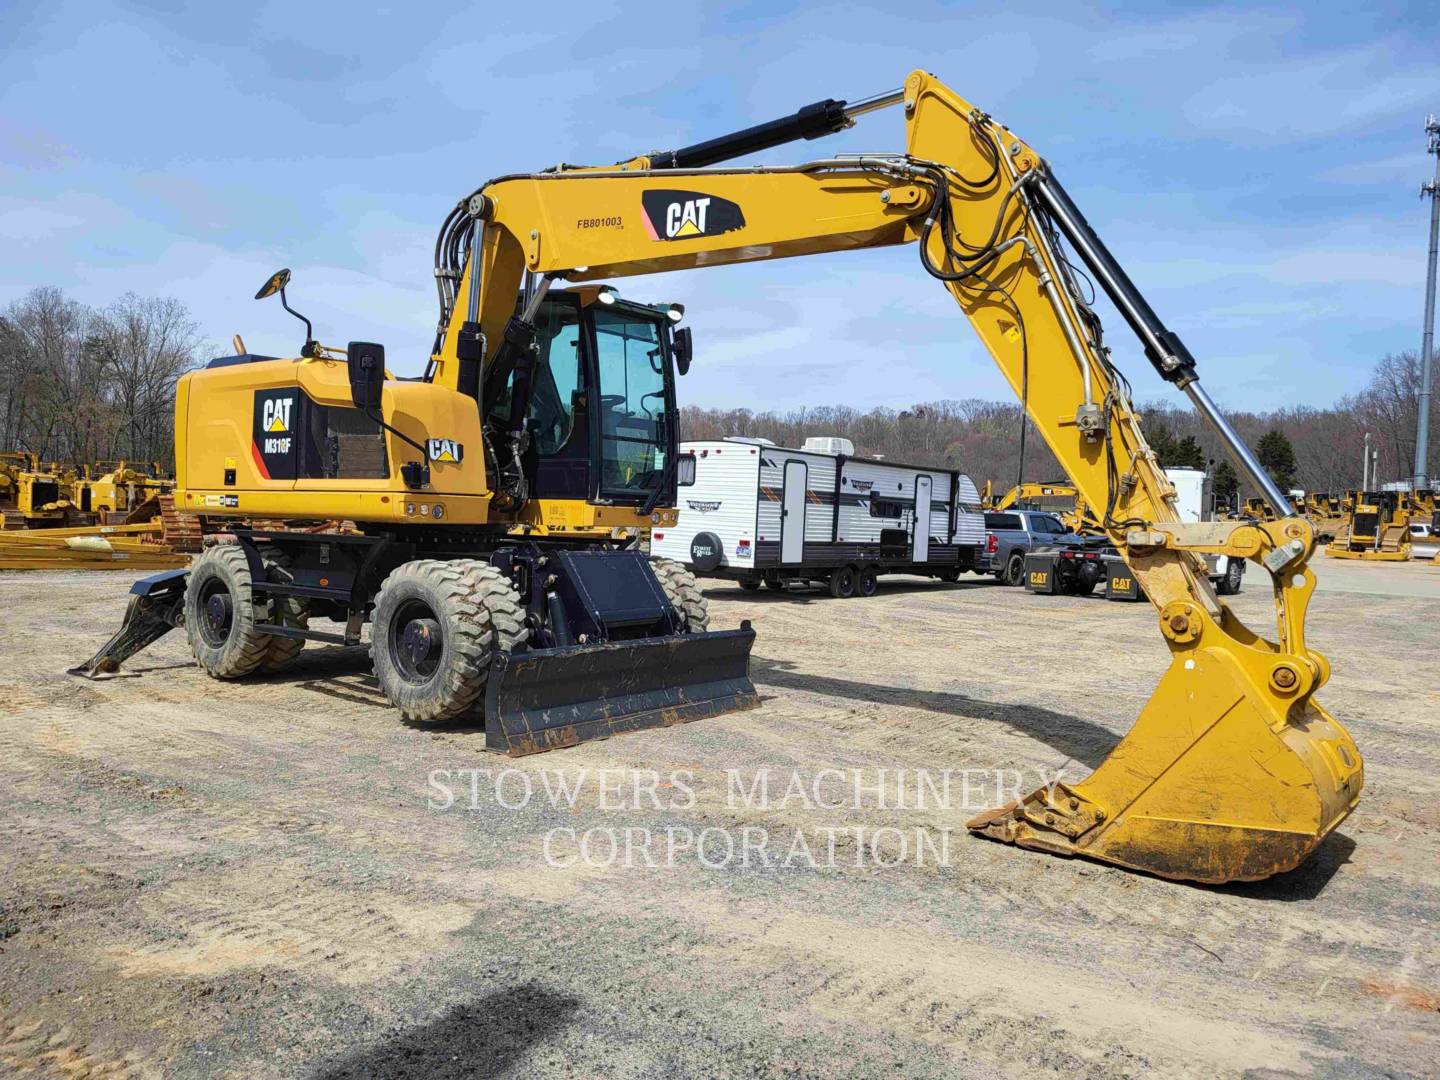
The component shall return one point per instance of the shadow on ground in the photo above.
(483, 1038)
(1085, 742)
(1306, 881)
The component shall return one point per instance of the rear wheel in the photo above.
(750, 585)
(220, 614)
(683, 591)
(842, 583)
(435, 628)
(868, 582)
(288, 611)
(948, 576)
(1014, 572)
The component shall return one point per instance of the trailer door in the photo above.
(920, 538)
(792, 512)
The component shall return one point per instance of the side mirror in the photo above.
(274, 284)
(683, 348)
(366, 362)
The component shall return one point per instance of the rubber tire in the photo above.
(1229, 585)
(948, 576)
(750, 586)
(1014, 572)
(284, 611)
(244, 649)
(683, 591)
(867, 583)
(478, 612)
(774, 584)
(842, 582)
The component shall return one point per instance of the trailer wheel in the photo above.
(1229, 585)
(868, 582)
(284, 611)
(220, 614)
(435, 627)
(1014, 573)
(749, 584)
(683, 591)
(842, 582)
(948, 576)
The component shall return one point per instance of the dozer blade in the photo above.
(552, 698)
(1206, 786)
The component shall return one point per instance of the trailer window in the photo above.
(886, 508)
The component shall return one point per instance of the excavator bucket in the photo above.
(531, 702)
(1212, 784)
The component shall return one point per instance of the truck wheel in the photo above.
(868, 583)
(284, 611)
(1014, 573)
(1229, 585)
(220, 614)
(842, 583)
(682, 590)
(436, 625)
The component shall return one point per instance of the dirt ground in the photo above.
(278, 878)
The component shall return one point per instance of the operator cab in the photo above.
(601, 411)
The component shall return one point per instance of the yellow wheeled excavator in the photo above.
(539, 425)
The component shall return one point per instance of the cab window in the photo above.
(630, 363)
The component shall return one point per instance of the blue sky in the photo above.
(1256, 168)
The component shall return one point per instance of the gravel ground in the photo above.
(278, 878)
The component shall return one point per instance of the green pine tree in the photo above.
(1278, 457)
(1226, 485)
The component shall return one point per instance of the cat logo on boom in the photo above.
(687, 215)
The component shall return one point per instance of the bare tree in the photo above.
(79, 385)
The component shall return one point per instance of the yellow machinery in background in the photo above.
(1059, 497)
(1376, 528)
(1328, 513)
(477, 490)
(115, 488)
(32, 494)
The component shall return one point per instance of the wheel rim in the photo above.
(416, 642)
(217, 613)
(846, 585)
(868, 584)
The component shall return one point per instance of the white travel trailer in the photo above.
(759, 513)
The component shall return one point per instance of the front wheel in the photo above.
(436, 626)
(842, 583)
(683, 591)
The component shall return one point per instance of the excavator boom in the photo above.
(1233, 770)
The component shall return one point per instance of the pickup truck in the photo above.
(1011, 535)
